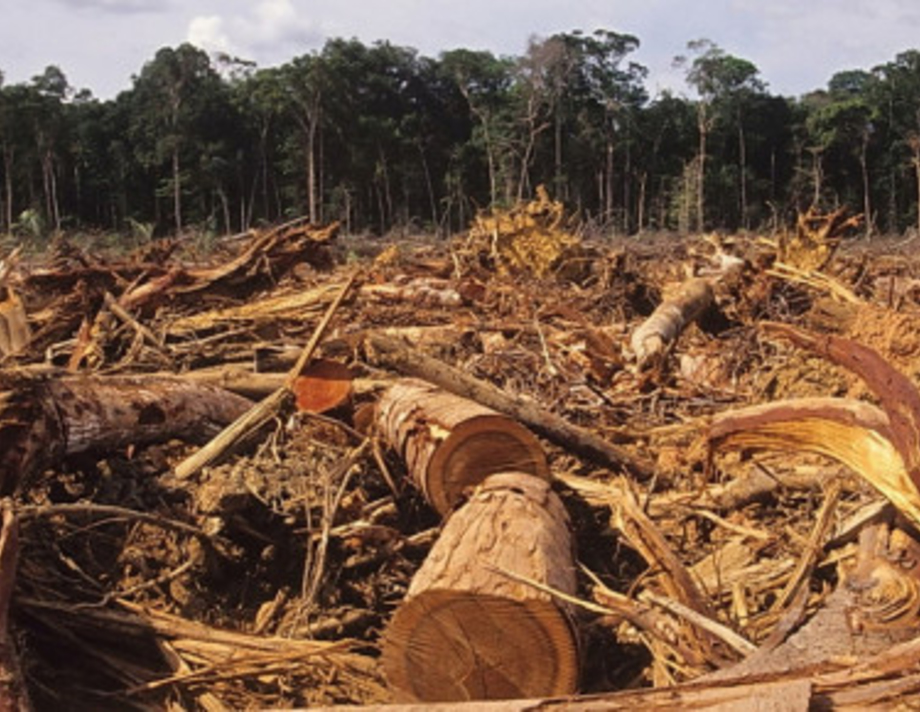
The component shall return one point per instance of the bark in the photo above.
(451, 444)
(669, 319)
(396, 355)
(467, 630)
(13, 691)
(854, 433)
(42, 420)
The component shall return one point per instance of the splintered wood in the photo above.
(524, 465)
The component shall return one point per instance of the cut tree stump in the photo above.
(451, 444)
(471, 627)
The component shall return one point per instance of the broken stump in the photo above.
(471, 626)
(450, 444)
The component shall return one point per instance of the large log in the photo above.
(451, 444)
(470, 626)
(397, 355)
(43, 419)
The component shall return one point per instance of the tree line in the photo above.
(382, 138)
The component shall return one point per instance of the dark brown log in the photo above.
(451, 444)
(467, 630)
(13, 693)
(396, 355)
(43, 419)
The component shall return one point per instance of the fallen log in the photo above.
(469, 627)
(395, 354)
(13, 691)
(43, 419)
(669, 319)
(451, 444)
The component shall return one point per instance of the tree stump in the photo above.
(451, 444)
(466, 629)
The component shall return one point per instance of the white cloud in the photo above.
(207, 32)
(269, 31)
(119, 6)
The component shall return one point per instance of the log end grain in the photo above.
(451, 444)
(323, 385)
(472, 626)
(476, 448)
(446, 646)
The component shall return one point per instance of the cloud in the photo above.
(207, 32)
(125, 7)
(269, 31)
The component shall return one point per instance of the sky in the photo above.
(796, 44)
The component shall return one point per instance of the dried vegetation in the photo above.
(739, 480)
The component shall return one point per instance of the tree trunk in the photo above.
(177, 189)
(917, 174)
(864, 168)
(312, 125)
(608, 182)
(8, 186)
(703, 124)
(817, 175)
(451, 444)
(42, 420)
(471, 625)
(742, 166)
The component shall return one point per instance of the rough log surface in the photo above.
(466, 629)
(44, 419)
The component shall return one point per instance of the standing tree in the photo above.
(484, 80)
(605, 98)
(49, 90)
(168, 97)
(723, 84)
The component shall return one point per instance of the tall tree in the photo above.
(722, 82)
(484, 81)
(169, 95)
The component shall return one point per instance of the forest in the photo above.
(384, 140)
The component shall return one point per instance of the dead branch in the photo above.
(670, 318)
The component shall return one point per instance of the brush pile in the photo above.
(686, 473)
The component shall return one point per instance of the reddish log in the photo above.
(451, 444)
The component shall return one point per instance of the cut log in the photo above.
(44, 419)
(670, 318)
(451, 444)
(323, 385)
(470, 627)
(397, 355)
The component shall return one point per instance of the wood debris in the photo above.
(298, 473)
